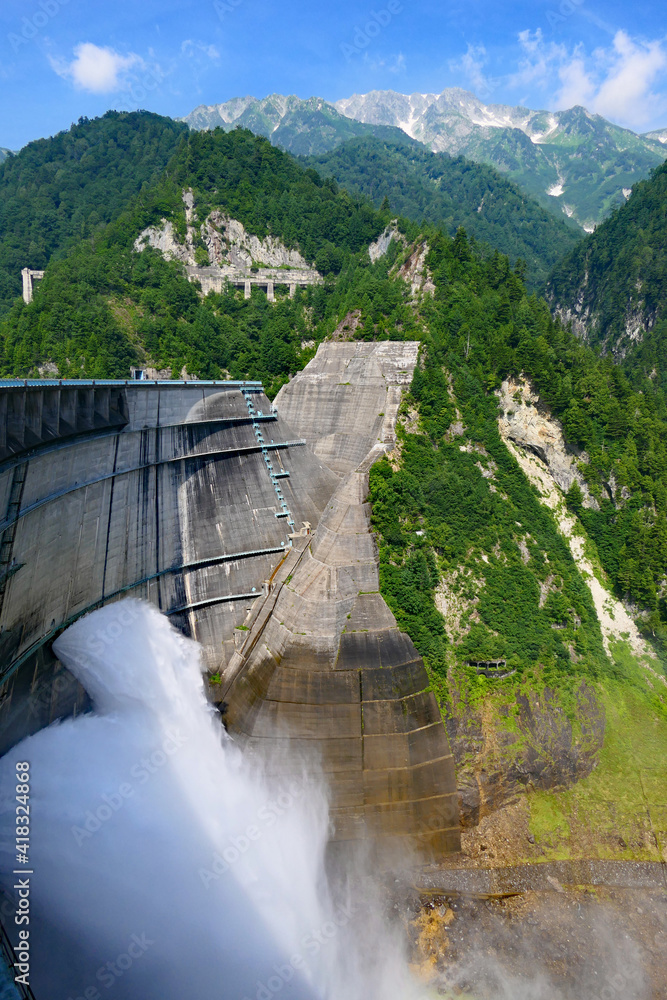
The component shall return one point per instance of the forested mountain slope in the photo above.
(572, 161)
(61, 189)
(104, 306)
(576, 164)
(612, 287)
(473, 565)
(452, 192)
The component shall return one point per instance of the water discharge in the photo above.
(166, 863)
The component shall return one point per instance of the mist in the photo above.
(165, 864)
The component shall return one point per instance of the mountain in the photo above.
(59, 189)
(612, 287)
(105, 304)
(574, 163)
(573, 160)
(120, 296)
(4, 153)
(451, 192)
(304, 128)
(493, 572)
(657, 135)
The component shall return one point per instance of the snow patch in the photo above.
(408, 125)
(555, 190)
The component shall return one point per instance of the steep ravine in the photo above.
(535, 439)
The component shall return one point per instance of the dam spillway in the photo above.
(247, 525)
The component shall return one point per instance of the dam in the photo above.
(246, 523)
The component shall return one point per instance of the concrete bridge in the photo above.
(213, 279)
(29, 277)
(223, 510)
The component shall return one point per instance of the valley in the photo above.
(339, 392)
(574, 163)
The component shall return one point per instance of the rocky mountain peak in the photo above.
(541, 150)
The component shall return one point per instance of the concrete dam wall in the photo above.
(247, 524)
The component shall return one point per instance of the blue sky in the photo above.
(60, 59)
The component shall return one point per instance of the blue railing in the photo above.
(12, 383)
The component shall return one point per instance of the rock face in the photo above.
(324, 659)
(529, 425)
(495, 764)
(586, 324)
(615, 622)
(226, 240)
(163, 238)
(379, 247)
(415, 272)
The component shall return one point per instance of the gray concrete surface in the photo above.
(223, 510)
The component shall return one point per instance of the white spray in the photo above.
(165, 865)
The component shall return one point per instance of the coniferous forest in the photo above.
(103, 307)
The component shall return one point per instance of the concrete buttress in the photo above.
(223, 511)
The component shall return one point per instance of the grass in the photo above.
(620, 809)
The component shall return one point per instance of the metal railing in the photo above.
(72, 383)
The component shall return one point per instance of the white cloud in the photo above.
(190, 47)
(622, 81)
(633, 70)
(536, 62)
(472, 66)
(96, 68)
(577, 87)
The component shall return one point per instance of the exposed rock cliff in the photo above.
(379, 247)
(225, 241)
(548, 472)
(228, 242)
(502, 751)
(416, 273)
(528, 424)
(637, 319)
